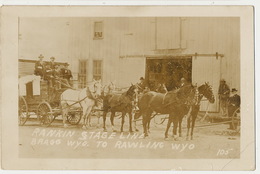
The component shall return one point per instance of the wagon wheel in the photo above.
(160, 119)
(45, 114)
(23, 111)
(74, 117)
(236, 120)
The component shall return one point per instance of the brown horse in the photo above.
(171, 103)
(191, 109)
(119, 103)
(206, 91)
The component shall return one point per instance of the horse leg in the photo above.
(130, 121)
(122, 121)
(144, 120)
(136, 116)
(175, 120)
(168, 126)
(104, 121)
(88, 115)
(98, 122)
(112, 120)
(180, 123)
(64, 111)
(149, 120)
(188, 127)
(84, 118)
(193, 124)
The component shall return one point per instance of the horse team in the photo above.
(176, 103)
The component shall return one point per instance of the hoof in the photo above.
(105, 130)
(166, 139)
(177, 139)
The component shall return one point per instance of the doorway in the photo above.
(168, 71)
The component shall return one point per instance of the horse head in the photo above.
(132, 91)
(207, 91)
(96, 87)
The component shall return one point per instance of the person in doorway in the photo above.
(233, 105)
(39, 67)
(223, 92)
(183, 82)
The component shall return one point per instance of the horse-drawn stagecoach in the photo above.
(37, 98)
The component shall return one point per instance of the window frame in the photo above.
(95, 69)
(102, 30)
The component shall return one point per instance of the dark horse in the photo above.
(203, 90)
(191, 109)
(170, 103)
(119, 103)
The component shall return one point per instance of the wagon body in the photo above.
(43, 102)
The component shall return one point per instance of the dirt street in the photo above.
(74, 142)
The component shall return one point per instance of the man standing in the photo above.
(39, 67)
(233, 104)
(66, 75)
(56, 78)
(223, 92)
(52, 63)
(67, 72)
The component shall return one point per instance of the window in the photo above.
(98, 30)
(97, 69)
(82, 73)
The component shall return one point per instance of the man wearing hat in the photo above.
(66, 73)
(223, 92)
(52, 63)
(233, 104)
(39, 67)
(142, 84)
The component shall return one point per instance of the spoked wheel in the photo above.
(74, 117)
(160, 119)
(45, 114)
(23, 111)
(236, 120)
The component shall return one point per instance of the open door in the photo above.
(207, 69)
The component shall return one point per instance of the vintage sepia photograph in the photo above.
(116, 87)
(131, 87)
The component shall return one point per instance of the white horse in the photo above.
(85, 98)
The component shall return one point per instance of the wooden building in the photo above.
(123, 49)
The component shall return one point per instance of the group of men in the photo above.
(229, 100)
(56, 75)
